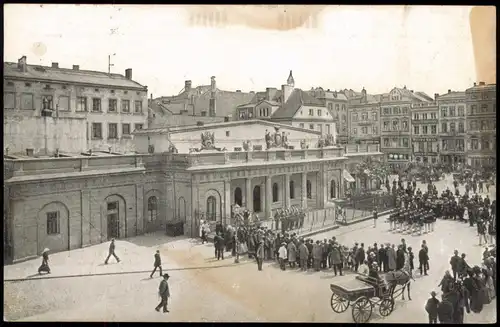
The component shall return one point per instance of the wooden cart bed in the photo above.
(352, 288)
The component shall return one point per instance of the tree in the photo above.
(373, 169)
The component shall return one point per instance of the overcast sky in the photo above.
(354, 46)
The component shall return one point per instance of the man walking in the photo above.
(455, 262)
(157, 264)
(303, 255)
(423, 258)
(111, 252)
(375, 217)
(164, 293)
(282, 255)
(259, 255)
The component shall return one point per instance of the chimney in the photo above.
(268, 93)
(474, 83)
(286, 90)
(187, 86)
(481, 83)
(30, 152)
(436, 96)
(213, 85)
(128, 73)
(22, 64)
(55, 65)
(76, 67)
(449, 91)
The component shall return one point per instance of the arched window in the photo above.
(292, 190)
(333, 190)
(309, 189)
(152, 208)
(275, 192)
(211, 208)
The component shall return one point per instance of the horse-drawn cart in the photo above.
(363, 293)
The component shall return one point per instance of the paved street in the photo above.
(231, 293)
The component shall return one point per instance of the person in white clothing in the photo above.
(364, 269)
(282, 255)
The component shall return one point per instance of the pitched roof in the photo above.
(297, 99)
(66, 75)
(425, 95)
(452, 95)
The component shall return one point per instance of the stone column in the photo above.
(227, 202)
(248, 194)
(269, 198)
(286, 191)
(304, 190)
(85, 222)
(139, 223)
(191, 225)
(325, 184)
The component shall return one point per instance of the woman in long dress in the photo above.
(45, 262)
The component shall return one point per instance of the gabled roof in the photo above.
(297, 99)
(424, 95)
(70, 76)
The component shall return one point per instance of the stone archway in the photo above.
(153, 215)
(113, 218)
(238, 196)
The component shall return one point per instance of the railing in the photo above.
(33, 166)
(362, 148)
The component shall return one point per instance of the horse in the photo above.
(399, 278)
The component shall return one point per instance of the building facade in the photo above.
(364, 119)
(481, 120)
(292, 106)
(72, 202)
(452, 127)
(395, 124)
(336, 103)
(53, 109)
(424, 133)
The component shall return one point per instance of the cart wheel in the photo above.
(339, 304)
(362, 310)
(386, 307)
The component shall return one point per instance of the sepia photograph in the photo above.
(249, 163)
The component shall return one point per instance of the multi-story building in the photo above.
(336, 103)
(395, 124)
(364, 119)
(53, 109)
(290, 106)
(204, 103)
(424, 132)
(481, 129)
(452, 127)
(72, 202)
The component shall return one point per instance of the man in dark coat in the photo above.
(309, 245)
(112, 252)
(157, 264)
(432, 308)
(400, 258)
(164, 293)
(423, 258)
(219, 246)
(360, 256)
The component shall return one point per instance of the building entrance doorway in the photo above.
(113, 226)
(238, 196)
(256, 199)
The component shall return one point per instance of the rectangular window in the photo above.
(416, 130)
(452, 127)
(96, 105)
(405, 125)
(416, 117)
(112, 206)
(374, 116)
(63, 103)
(364, 116)
(433, 129)
(475, 144)
(444, 112)
(112, 131)
(433, 115)
(484, 124)
(311, 112)
(27, 101)
(387, 111)
(96, 130)
(138, 126)
(444, 127)
(112, 105)
(319, 112)
(354, 117)
(461, 127)
(405, 142)
(328, 129)
(375, 130)
(420, 146)
(301, 125)
(355, 131)
(125, 129)
(473, 109)
(125, 106)
(429, 146)
(424, 116)
(53, 227)
(9, 100)
(395, 125)
(47, 102)
(452, 111)
(473, 125)
(311, 126)
(460, 145)
(387, 143)
(405, 110)
(387, 125)
(81, 104)
(227, 134)
(484, 107)
(138, 107)
(424, 129)
(337, 107)
(343, 107)
(461, 110)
